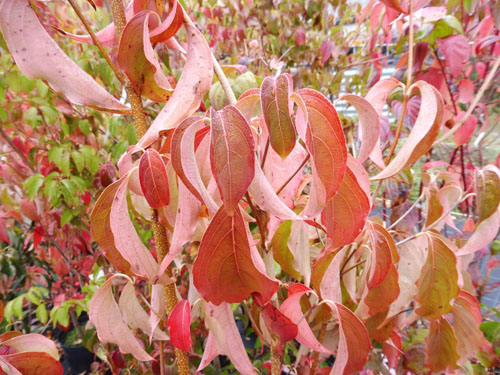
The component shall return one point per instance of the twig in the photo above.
(96, 41)
(294, 173)
(407, 212)
(16, 150)
(474, 103)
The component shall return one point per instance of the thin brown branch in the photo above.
(294, 173)
(96, 41)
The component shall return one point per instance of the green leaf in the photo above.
(490, 330)
(33, 184)
(84, 126)
(55, 154)
(495, 247)
(78, 160)
(42, 88)
(50, 114)
(131, 135)
(17, 306)
(446, 26)
(281, 252)
(118, 150)
(41, 314)
(3, 114)
(66, 217)
(65, 164)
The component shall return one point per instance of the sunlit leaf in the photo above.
(179, 321)
(153, 179)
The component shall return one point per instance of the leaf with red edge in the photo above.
(354, 342)
(220, 322)
(33, 363)
(438, 281)
(100, 228)
(345, 215)
(380, 297)
(39, 57)
(326, 143)
(424, 131)
(369, 124)
(31, 342)
(170, 25)
(179, 322)
(108, 321)
(184, 160)
(292, 309)
(456, 51)
(279, 324)
(466, 321)
(232, 155)
(194, 83)
(441, 346)
(466, 130)
(137, 60)
(275, 101)
(153, 179)
(224, 270)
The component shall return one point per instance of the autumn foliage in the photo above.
(249, 215)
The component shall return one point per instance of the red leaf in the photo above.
(224, 270)
(345, 214)
(137, 60)
(33, 363)
(274, 94)
(354, 342)
(327, 48)
(194, 83)
(292, 309)
(153, 178)
(300, 36)
(326, 143)
(232, 155)
(279, 324)
(179, 322)
(456, 51)
(39, 57)
(466, 131)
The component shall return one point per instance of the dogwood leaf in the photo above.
(153, 179)
(179, 322)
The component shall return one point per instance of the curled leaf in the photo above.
(39, 57)
(178, 323)
(153, 179)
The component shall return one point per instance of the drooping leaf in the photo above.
(105, 315)
(184, 161)
(179, 322)
(456, 50)
(137, 60)
(345, 214)
(232, 155)
(488, 192)
(100, 228)
(224, 270)
(326, 142)
(194, 83)
(134, 315)
(377, 97)
(380, 297)
(369, 124)
(292, 309)
(279, 324)
(188, 210)
(411, 261)
(274, 93)
(39, 57)
(354, 342)
(441, 346)
(281, 252)
(220, 322)
(437, 284)
(424, 131)
(330, 283)
(466, 322)
(483, 234)
(32, 342)
(299, 246)
(33, 363)
(153, 179)
(126, 239)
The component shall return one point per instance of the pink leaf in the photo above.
(327, 48)
(423, 133)
(179, 322)
(466, 131)
(39, 57)
(184, 161)
(32, 342)
(232, 155)
(291, 308)
(456, 51)
(220, 322)
(194, 83)
(153, 178)
(107, 318)
(369, 124)
(330, 283)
